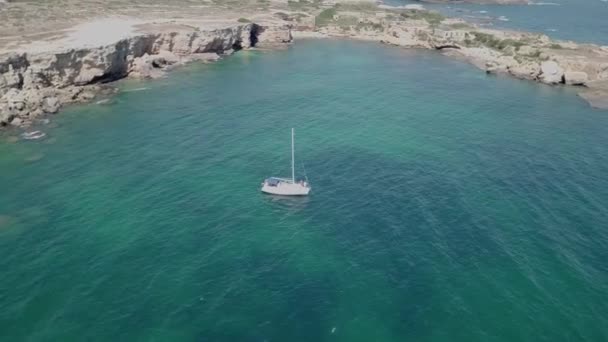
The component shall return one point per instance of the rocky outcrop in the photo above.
(34, 84)
(527, 71)
(523, 55)
(577, 78)
(597, 96)
(550, 73)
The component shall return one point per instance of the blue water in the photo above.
(584, 21)
(447, 205)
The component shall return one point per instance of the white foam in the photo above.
(546, 3)
(410, 7)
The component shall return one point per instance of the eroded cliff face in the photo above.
(34, 84)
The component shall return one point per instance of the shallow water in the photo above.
(447, 205)
(578, 20)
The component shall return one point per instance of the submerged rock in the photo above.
(34, 158)
(597, 98)
(5, 221)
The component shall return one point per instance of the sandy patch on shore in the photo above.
(308, 34)
(109, 30)
(99, 32)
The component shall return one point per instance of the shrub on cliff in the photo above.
(370, 26)
(302, 4)
(325, 17)
(430, 17)
(346, 21)
(491, 41)
(362, 6)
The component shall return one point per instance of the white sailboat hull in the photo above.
(285, 189)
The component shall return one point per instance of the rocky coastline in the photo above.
(34, 83)
(529, 56)
(39, 83)
(481, 2)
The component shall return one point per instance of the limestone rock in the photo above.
(5, 116)
(51, 105)
(597, 98)
(501, 64)
(17, 103)
(86, 96)
(11, 78)
(17, 122)
(528, 71)
(38, 112)
(87, 75)
(527, 50)
(150, 66)
(141, 67)
(164, 58)
(182, 43)
(269, 35)
(576, 77)
(550, 72)
(40, 82)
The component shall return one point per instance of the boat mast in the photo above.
(293, 172)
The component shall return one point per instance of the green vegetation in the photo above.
(325, 17)
(555, 46)
(302, 5)
(486, 39)
(510, 42)
(535, 54)
(430, 17)
(491, 41)
(300, 16)
(362, 6)
(346, 21)
(460, 26)
(370, 26)
(283, 16)
(294, 17)
(244, 20)
(422, 35)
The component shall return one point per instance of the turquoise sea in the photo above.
(582, 21)
(447, 205)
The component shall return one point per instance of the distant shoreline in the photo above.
(481, 2)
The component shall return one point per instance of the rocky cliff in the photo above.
(33, 84)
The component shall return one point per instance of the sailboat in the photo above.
(285, 186)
